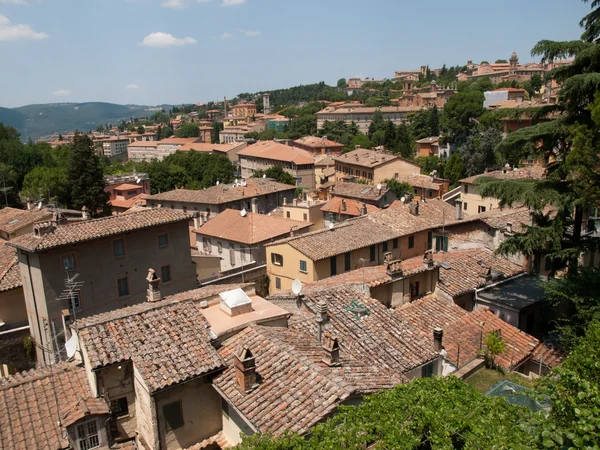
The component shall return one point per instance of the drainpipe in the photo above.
(477, 291)
(37, 317)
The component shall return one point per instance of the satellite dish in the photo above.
(71, 346)
(137, 180)
(379, 186)
(243, 212)
(331, 226)
(217, 182)
(297, 287)
(403, 199)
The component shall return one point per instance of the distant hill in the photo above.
(34, 121)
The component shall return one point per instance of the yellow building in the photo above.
(372, 166)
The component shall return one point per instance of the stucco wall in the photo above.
(472, 200)
(116, 383)
(12, 307)
(145, 411)
(233, 424)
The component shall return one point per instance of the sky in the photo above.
(154, 52)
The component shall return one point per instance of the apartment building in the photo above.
(265, 154)
(239, 237)
(237, 132)
(104, 258)
(308, 210)
(361, 115)
(340, 209)
(372, 166)
(245, 110)
(159, 150)
(256, 195)
(319, 145)
(114, 146)
(431, 146)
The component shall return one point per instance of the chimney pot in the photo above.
(459, 210)
(343, 205)
(254, 206)
(363, 210)
(509, 227)
(438, 335)
(153, 292)
(331, 349)
(321, 317)
(245, 369)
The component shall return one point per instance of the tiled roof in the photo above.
(168, 345)
(143, 144)
(370, 158)
(465, 332)
(128, 203)
(348, 206)
(499, 218)
(10, 274)
(362, 109)
(203, 147)
(354, 190)
(224, 193)
(81, 408)
(372, 229)
(296, 388)
(429, 140)
(393, 345)
(128, 187)
(468, 269)
(178, 141)
(251, 229)
(317, 142)
(29, 413)
(88, 230)
(277, 152)
(12, 219)
(548, 356)
(421, 181)
(531, 172)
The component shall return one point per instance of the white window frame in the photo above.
(85, 437)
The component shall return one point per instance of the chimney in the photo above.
(295, 202)
(244, 366)
(153, 293)
(85, 213)
(363, 209)
(459, 211)
(509, 227)
(428, 259)
(29, 204)
(284, 201)
(343, 205)
(438, 334)
(331, 350)
(414, 208)
(253, 206)
(321, 318)
(197, 220)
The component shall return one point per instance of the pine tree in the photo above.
(434, 122)
(86, 179)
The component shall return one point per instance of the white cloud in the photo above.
(164, 40)
(132, 86)
(226, 36)
(232, 2)
(12, 32)
(180, 4)
(250, 33)
(61, 92)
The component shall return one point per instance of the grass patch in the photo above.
(483, 379)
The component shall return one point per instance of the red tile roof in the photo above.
(250, 229)
(81, 408)
(275, 151)
(317, 142)
(13, 219)
(530, 172)
(348, 207)
(10, 273)
(548, 356)
(371, 158)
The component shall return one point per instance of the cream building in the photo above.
(372, 166)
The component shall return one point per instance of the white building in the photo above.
(114, 146)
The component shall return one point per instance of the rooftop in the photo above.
(143, 144)
(464, 271)
(30, 414)
(530, 172)
(249, 229)
(347, 206)
(355, 190)
(362, 109)
(370, 158)
(372, 229)
(13, 219)
(203, 147)
(317, 142)
(277, 152)
(87, 230)
(10, 274)
(516, 294)
(178, 141)
(224, 193)
(422, 181)
(429, 140)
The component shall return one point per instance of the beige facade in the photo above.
(361, 115)
(114, 146)
(346, 169)
(12, 308)
(304, 173)
(473, 203)
(306, 211)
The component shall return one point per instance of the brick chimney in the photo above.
(438, 334)
(363, 209)
(414, 208)
(428, 259)
(343, 205)
(458, 203)
(321, 318)
(153, 292)
(331, 350)
(244, 366)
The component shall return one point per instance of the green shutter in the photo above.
(445, 243)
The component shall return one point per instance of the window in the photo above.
(396, 176)
(119, 248)
(466, 188)
(163, 240)
(277, 283)
(441, 243)
(302, 266)
(465, 206)
(75, 301)
(414, 290)
(305, 217)
(298, 181)
(347, 261)
(333, 265)
(119, 407)
(69, 262)
(165, 273)
(481, 209)
(411, 242)
(427, 370)
(206, 245)
(87, 435)
(173, 415)
(385, 247)
(123, 286)
(219, 247)
(395, 243)
(277, 259)
(372, 253)
(429, 240)
(243, 251)
(287, 214)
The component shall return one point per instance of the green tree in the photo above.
(166, 132)
(404, 141)
(494, 346)
(460, 113)
(378, 138)
(455, 169)
(401, 189)
(217, 128)
(500, 61)
(276, 173)
(420, 124)
(187, 130)
(141, 129)
(361, 140)
(377, 123)
(86, 179)
(342, 83)
(478, 152)
(536, 82)
(100, 128)
(48, 183)
(434, 122)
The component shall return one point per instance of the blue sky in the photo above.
(183, 51)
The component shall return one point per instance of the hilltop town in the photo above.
(408, 262)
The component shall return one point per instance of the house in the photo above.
(265, 154)
(237, 132)
(238, 237)
(514, 95)
(381, 198)
(474, 203)
(159, 150)
(324, 170)
(126, 190)
(390, 234)
(372, 166)
(91, 266)
(17, 222)
(426, 186)
(304, 210)
(340, 209)
(257, 195)
(245, 110)
(361, 114)
(319, 145)
(431, 146)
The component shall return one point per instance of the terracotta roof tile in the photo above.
(81, 408)
(317, 142)
(547, 355)
(370, 158)
(10, 274)
(224, 193)
(12, 219)
(348, 207)
(354, 190)
(251, 229)
(422, 181)
(532, 172)
(275, 151)
(87, 230)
